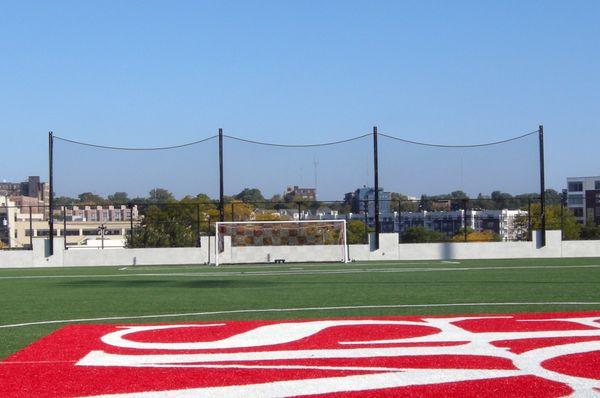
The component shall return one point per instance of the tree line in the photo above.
(172, 222)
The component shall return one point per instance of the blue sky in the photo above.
(147, 73)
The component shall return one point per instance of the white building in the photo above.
(18, 226)
(501, 222)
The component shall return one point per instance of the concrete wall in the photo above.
(581, 248)
(389, 249)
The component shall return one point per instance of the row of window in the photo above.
(577, 186)
(75, 232)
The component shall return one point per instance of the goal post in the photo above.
(281, 241)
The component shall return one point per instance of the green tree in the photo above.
(250, 195)
(119, 198)
(64, 200)
(355, 232)
(160, 195)
(476, 236)
(590, 231)
(89, 198)
(169, 226)
(571, 229)
(553, 197)
(422, 235)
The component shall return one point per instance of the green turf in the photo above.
(111, 291)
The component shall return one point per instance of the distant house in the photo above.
(297, 192)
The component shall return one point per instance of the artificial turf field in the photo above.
(34, 295)
(36, 302)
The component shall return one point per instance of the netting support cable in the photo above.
(119, 148)
(51, 191)
(376, 187)
(542, 188)
(460, 146)
(297, 145)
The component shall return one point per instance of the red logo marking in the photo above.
(542, 355)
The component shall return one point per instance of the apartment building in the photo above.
(583, 198)
(77, 225)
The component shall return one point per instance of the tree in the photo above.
(571, 229)
(476, 236)
(422, 235)
(119, 198)
(160, 195)
(250, 195)
(590, 231)
(64, 200)
(425, 204)
(355, 232)
(458, 195)
(553, 197)
(241, 211)
(89, 198)
(164, 227)
(270, 216)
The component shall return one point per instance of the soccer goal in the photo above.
(281, 241)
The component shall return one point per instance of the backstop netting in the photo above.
(142, 196)
(281, 241)
(297, 171)
(183, 170)
(448, 188)
(417, 168)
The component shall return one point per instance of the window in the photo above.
(575, 186)
(578, 212)
(72, 232)
(45, 232)
(596, 184)
(575, 200)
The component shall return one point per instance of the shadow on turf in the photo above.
(141, 283)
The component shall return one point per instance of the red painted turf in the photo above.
(565, 347)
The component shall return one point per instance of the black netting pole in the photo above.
(366, 206)
(198, 239)
(221, 202)
(51, 193)
(465, 219)
(529, 219)
(65, 226)
(30, 229)
(562, 220)
(542, 187)
(208, 221)
(376, 183)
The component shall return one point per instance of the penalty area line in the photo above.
(300, 309)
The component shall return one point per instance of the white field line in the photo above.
(299, 272)
(283, 310)
(268, 265)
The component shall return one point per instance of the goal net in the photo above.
(281, 241)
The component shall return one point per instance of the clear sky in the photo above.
(147, 73)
